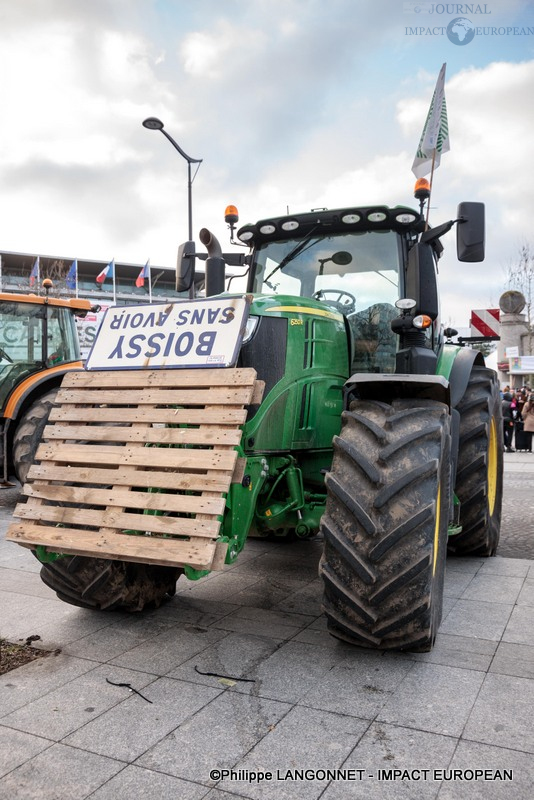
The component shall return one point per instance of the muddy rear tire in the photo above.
(29, 433)
(106, 585)
(385, 524)
(479, 478)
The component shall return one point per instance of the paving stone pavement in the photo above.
(325, 720)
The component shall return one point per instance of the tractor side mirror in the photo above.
(421, 281)
(470, 232)
(185, 266)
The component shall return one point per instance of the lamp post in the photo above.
(155, 124)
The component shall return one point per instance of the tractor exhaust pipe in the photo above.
(215, 266)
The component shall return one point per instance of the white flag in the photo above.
(435, 137)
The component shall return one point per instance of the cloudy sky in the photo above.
(290, 103)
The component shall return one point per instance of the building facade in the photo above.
(120, 283)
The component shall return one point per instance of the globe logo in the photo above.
(460, 31)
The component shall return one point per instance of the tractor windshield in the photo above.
(355, 273)
(33, 337)
(366, 265)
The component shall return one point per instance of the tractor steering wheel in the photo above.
(343, 301)
(4, 356)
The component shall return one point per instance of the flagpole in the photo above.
(149, 283)
(35, 274)
(430, 187)
(76, 277)
(114, 285)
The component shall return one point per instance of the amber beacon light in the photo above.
(231, 217)
(421, 189)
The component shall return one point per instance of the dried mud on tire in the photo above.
(106, 585)
(385, 524)
(479, 477)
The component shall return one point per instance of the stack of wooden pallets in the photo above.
(135, 465)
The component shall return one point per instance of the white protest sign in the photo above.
(205, 332)
(87, 329)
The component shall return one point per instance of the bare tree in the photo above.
(57, 270)
(520, 276)
(486, 348)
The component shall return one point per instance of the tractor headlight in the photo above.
(246, 234)
(250, 327)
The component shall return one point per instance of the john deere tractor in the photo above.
(38, 345)
(372, 430)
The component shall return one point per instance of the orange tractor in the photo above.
(38, 345)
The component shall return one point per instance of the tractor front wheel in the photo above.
(385, 524)
(29, 433)
(106, 585)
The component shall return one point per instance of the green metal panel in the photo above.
(446, 359)
(287, 444)
(302, 411)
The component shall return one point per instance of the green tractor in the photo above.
(373, 429)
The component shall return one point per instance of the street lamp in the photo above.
(155, 124)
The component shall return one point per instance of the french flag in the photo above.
(34, 274)
(107, 272)
(145, 273)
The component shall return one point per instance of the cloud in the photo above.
(70, 137)
(246, 92)
(490, 122)
(491, 117)
(276, 72)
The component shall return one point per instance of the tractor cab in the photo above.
(360, 262)
(350, 260)
(36, 333)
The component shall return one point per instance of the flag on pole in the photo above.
(145, 273)
(107, 272)
(34, 274)
(72, 276)
(435, 137)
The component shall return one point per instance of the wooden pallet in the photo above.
(135, 465)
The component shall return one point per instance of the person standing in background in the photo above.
(528, 420)
(520, 400)
(508, 421)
